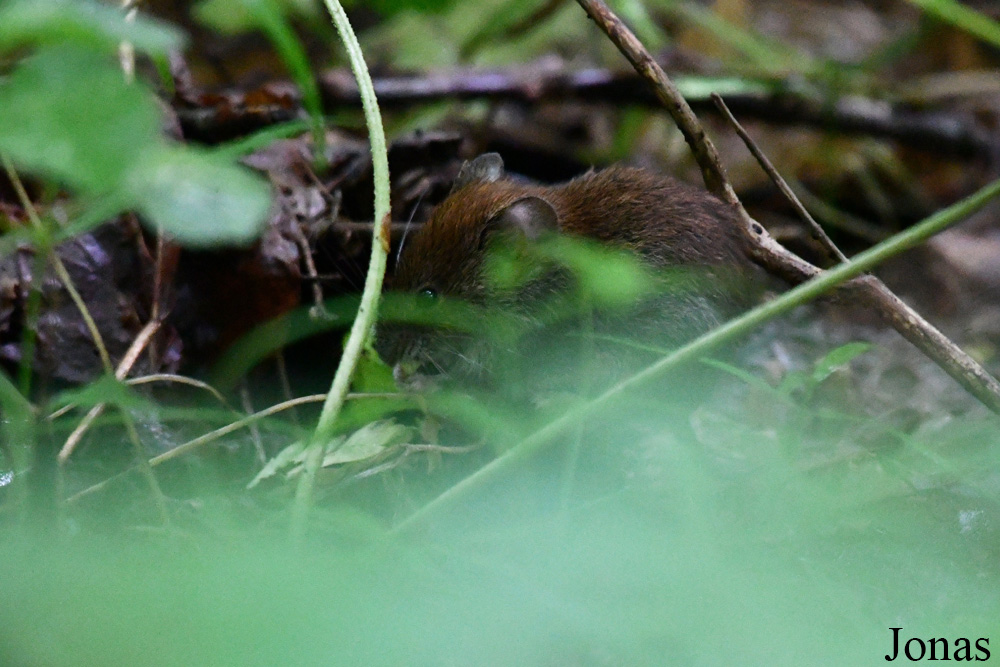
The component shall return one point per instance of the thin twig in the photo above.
(124, 366)
(234, 426)
(126, 50)
(872, 291)
(147, 379)
(317, 310)
(247, 405)
(179, 379)
(818, 233)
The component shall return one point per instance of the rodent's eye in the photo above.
(429, 293)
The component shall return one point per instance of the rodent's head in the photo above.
(446, 257)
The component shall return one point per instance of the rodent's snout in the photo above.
(399, 347)
(409, 374)
(402, 371)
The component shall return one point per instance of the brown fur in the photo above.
(665, 222)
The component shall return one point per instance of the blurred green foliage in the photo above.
(70, 115)
(962, 17)
(98, 26)
(693, 523)
(270, 17)
(704, 546)
(246, 15)
(390, 7)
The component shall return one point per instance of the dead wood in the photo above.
(220, 116)
(940, 132)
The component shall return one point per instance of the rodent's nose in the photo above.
(404, 370)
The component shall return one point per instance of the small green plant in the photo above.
(799, 386)
(70, 116)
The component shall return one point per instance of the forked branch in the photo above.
(768, 253)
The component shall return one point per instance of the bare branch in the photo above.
(773, 257)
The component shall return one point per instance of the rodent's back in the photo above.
(665, 221)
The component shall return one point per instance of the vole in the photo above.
(668, 225)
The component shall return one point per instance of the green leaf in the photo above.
(367, 442)
(83, 22)
(605, 276)
(372, 375)
(837, 358)
(975, 23)
(793, 381)
(292, 454)
(229, 17)
(68, 114)
(199, 198)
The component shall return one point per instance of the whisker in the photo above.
(428, 358)
(409, 223)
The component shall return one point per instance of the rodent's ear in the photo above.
(531, 216)
(487, 168)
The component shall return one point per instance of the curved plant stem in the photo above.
(365, 319)
(729, 331)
